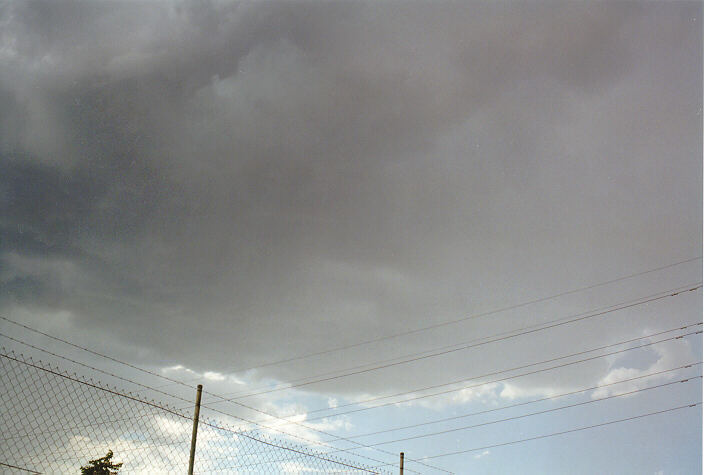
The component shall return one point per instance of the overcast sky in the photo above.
(222, 185)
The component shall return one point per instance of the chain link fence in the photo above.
(55, 422)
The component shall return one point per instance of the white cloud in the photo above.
(483, 454)
(172, 427)
(513, 391)
(485, 394)
(670, 355)
(214, 376)
(177, 367)
(297, 467)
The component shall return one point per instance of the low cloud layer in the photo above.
(223, 185)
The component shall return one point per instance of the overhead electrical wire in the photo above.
(469, 345)
(551, 324)
(168, 394)
(174, 381)
(555, 434)
(463, 319)
(545, 436)
(276, 429)
(522, 416)
(464, 380)
(530, 414)
(548, 398)
(491, 312)
(494, 373)
(125, 379)
(525, 403)
(617, 306)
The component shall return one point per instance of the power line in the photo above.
(615, 307)
(678, 337)
(426, 356)
(436, 421)
(670, 293)
(502, 371)
(425, 388)
(588, 314)
(264, 412)
(554, 434)
(510, 406)
(459, 320)
(546, 411)
(257, 422)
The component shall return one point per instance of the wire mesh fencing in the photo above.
(54, 421)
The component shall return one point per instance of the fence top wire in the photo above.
(42, 405)
(278, 443)
(15, 467)
(96, 384)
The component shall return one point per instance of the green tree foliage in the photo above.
(101, 466)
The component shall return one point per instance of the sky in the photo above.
(207, 189)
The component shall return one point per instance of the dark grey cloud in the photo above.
(228, 184)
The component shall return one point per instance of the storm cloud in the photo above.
(223, 185)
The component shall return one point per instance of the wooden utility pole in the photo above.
(401, 471)
(196, 416)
